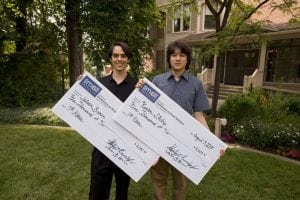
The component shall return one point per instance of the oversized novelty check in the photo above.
(88, 107)
(168, 129)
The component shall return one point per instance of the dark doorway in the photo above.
(238, 64)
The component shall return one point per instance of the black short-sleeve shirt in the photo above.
(121, 90)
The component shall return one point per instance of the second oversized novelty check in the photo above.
(88, 107)
(168, 129)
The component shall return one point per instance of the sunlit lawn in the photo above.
(53, 163)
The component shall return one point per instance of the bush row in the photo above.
(263, 119)
(29, 78)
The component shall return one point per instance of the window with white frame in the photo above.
(209, 19)
(182, 18)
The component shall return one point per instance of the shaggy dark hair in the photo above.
(183, 47)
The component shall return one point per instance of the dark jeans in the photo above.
(102, 170)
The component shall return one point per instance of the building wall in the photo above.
(170, 36)
(276, 19)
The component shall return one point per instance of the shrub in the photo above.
(29, 78)
(252, 133)
(238, 107)
(293, 105)
(261, 135)
(263, 119)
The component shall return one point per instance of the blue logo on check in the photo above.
(90, 86)
(149, 92)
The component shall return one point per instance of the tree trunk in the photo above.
(73, 38)
(220, 63)
(21, 26)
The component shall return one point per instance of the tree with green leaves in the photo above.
(45, 31)
(31, 41)
(13, 22)
(232, 18)
(105, 22)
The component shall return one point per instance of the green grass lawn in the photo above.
(53, 163)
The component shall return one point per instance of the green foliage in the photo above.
(29, 78)
(288, 6)
(8, 10)
(238, 107)
(8, 47)
(264, 119)
(108, 22)
(259, 134)
(293, 105)
(38, 114)
(31, 74)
